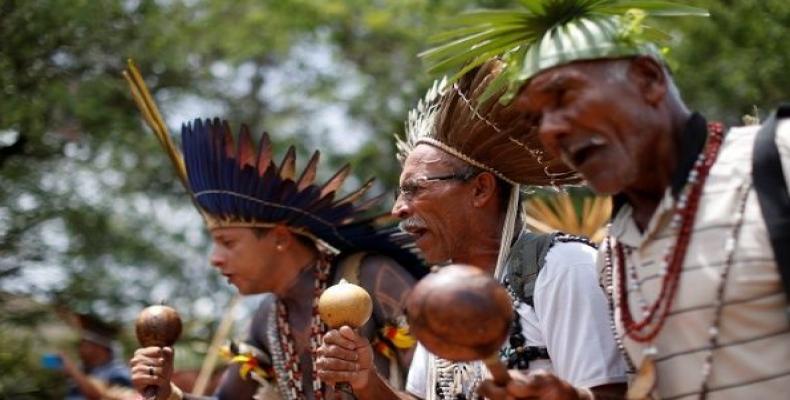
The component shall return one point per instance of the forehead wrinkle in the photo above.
(424, 156)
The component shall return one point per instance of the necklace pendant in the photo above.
(644, 381)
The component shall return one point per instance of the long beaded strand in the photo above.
(608, 286)
(648, 328)
(713, 331)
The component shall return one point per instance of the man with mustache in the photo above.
(463, 163)
(696, 263)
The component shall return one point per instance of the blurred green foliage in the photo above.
(91, 217)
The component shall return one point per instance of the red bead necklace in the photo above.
(292, 372)
(655, 315)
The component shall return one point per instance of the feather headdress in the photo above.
(421, 120)
(495, 138)
(236, 183)
(487, 135)
(549, 33)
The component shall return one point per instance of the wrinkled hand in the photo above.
(535, 385)
(345, 357)
(152, 366)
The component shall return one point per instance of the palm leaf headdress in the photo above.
(235, 183)
(548, 33)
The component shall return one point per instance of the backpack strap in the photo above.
(525, 262)
(772, 193)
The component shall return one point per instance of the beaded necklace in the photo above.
(455, 380)
(713, 331)
(286, 361)
(655, 314)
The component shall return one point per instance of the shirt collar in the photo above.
(691, 144)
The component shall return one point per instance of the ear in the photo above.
(484, 189)
(283, 238)
(650, 78)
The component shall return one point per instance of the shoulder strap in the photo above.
(772, 193)
(525, 262)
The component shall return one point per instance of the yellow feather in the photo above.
(145, 102)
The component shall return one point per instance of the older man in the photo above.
(689, 263)
(463, 163)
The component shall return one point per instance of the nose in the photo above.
(551, 129)
(401, 208)
(216, 257)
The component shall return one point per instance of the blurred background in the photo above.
(92, 219)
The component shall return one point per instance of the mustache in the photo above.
(411, 223)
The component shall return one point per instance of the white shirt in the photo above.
(752, 360)
(570, 318)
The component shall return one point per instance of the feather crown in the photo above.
(548, 33)
(483, 133)
(235, 183)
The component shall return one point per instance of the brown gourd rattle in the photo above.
(461, 314)
(157, 326)
(344, 304)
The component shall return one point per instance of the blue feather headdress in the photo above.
(234, 183)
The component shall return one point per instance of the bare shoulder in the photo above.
(387, 281)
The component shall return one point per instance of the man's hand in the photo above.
(345, 357)
(152, 366)
(535, 385)
(69, 367)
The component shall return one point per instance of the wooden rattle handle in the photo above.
(497, 369)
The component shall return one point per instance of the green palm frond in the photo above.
(476, 36)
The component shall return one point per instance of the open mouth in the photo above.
(581, 156)
(578, 154)
(416, 232)
(413, 227)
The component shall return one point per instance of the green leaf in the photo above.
(654, 9)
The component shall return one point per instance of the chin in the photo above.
(604, 184)
(433, 258)
(244, 290)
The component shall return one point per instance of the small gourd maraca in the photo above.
(345, 304)
(160, 326)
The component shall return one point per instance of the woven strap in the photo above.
(772, 193)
